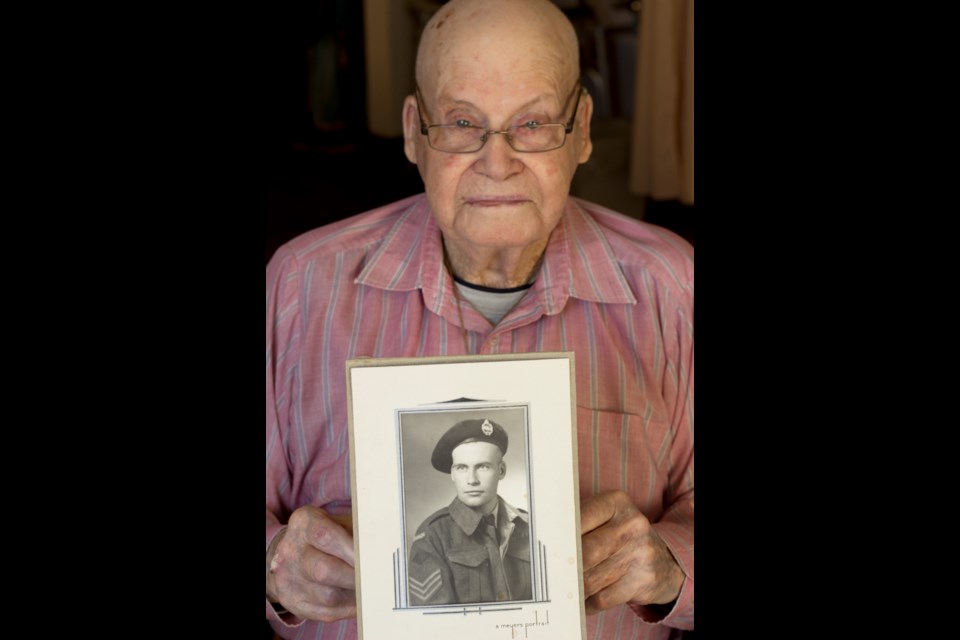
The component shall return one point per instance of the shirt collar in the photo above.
(594, 271)
(397, 264)
(579, 263)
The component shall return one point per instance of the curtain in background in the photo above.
(661, 152)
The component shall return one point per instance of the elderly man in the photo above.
(477, 549)
(494, 258)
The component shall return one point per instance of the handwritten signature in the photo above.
(516, 627)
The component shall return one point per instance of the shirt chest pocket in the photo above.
(470, 568)
(468, 558)
(623, 451)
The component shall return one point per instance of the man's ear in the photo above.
(583, 125)
(503, 469)
(411, 128)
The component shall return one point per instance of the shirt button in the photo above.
(501, 596)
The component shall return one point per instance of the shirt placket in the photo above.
(501, 588)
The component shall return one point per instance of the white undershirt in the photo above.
(492, 305)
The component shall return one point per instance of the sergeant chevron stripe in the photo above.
(425, 589)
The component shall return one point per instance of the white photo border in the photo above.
(541, 385)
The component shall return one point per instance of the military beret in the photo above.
(479, 430)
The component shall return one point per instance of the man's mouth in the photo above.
(495, 201)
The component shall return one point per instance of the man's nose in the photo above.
(498, 160)
(472, 477)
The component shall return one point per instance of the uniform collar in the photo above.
(507, 510)
(468, 519)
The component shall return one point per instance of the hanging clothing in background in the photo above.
(661, 152)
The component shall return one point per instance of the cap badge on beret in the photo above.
(470, 430)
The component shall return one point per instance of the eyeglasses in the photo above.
(530, 137)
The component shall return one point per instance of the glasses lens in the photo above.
(540, 137)
(456, 139)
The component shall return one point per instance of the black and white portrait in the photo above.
(466, 505)
(469, 505)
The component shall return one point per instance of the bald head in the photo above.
(502, 36)
(497, 67)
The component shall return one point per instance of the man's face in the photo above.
(497, 197)
(477, 470)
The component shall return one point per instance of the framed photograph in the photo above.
(466, 508)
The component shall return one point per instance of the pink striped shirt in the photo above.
(616, 291)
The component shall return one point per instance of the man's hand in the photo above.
(624, 559)
(310, 566)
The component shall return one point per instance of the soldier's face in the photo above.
(477, 470)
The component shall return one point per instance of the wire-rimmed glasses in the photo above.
(530, 137)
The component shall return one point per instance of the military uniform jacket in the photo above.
(455, 557)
